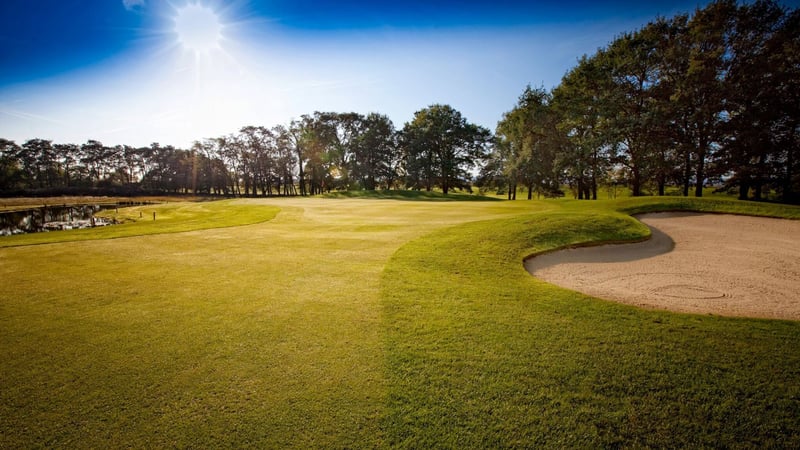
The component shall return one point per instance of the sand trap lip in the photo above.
(699, 263)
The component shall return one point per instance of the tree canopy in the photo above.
(706, 99)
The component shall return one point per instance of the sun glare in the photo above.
(198, 28)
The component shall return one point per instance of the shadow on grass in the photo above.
(424, 196)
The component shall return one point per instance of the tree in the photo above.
(631, 61)
(68, 156)
(94, 155)
(260, 144)
(443, 147)
(341, 133)
(374, 152)
(762, 100)
(702, 87)
(38, 160)
(298, 136)
(10, 171)
(285, 159)
(529, 131)
(582, 116)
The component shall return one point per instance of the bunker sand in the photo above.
(697, 263)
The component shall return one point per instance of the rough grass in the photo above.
(372, 323)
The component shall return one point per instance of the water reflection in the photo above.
(53, 217)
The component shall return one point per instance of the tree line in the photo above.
(683, 102)
(316, 153)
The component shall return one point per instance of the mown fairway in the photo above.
(373, 323)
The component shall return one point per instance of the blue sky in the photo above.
(141, 71)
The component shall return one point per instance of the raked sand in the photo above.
(698, 263)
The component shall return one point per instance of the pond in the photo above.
(54, 217)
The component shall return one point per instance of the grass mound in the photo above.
(718, 205)
(480, 354)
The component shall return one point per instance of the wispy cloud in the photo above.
(131, 4)
(28, 116)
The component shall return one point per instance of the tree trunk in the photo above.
(701, 161)
(636, 183)
(687, 172)
(744, 189)
(788, 188)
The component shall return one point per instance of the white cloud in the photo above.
(131, 4)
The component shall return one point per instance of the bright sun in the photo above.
(198, 28)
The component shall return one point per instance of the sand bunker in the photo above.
(698, 263)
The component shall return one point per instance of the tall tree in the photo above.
(704, 79)
(299, 135)
(374, 152)
(762, 100)
(632, 63)
(441, 137)
(10, 171)
(582, 113)
(530, 131)
(39, 163)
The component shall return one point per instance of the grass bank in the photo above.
(480, 354)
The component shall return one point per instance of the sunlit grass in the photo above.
(480, 354)
(265, 335)
(366, 323)
(412, 195)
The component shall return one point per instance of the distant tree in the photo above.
(285, 159)
(68, 157)
(299, 134)
(38, 159)
(492, 175)
(340, 133)
(441, 147)
(375, 152)
(582, 116)
(10, 170)
(259, 144)
(93, 157)
(529, 130)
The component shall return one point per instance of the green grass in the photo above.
(168, 218)
(435, 196)
(374, 323)
(480, 354)
(717, 205)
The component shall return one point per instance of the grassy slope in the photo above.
(480, 354)
(296, 333)
(169, 218)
